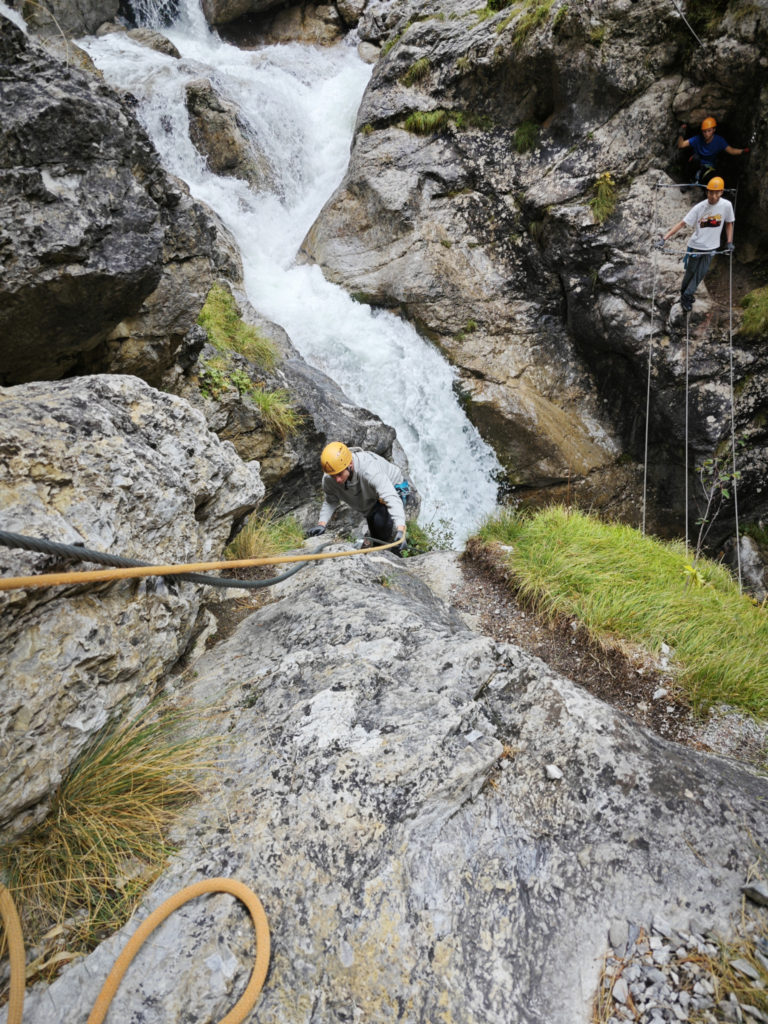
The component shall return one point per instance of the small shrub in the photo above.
(469, 328)
(463, 64)
(526, 136)
(432, 537)
(416, 72)
(755, 321)
(597, 35)
(228, 333)
(213, 380)
(605, 197)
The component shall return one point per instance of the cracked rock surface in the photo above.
(385, 789)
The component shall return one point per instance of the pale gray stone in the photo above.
(108, 463)
(354, 804)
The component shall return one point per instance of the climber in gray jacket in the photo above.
(367, 483)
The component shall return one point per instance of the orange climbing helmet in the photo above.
(715, 185)
(708, 122)
(335, 458)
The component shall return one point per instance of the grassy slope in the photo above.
(622, 585)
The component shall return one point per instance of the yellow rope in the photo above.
(15, 955)
(239, 1011)
(58, 579)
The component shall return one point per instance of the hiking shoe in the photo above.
(686, 302)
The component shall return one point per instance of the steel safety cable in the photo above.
(687, 364)
(733, 420)
(650, 353)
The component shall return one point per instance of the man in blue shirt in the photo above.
(706, 147)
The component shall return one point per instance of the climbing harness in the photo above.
(236, 1015)
(692, 254)
(128, 568)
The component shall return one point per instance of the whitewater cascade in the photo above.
(299, 104)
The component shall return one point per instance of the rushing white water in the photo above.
(299, 105)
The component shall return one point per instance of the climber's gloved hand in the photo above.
(745, 149)
(729, 246)
(659, 243)
(683, 131)
(315, 531)
(399, 536)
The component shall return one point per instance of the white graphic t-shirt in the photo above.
(707, 220)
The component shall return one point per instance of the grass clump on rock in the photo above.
(416, 72)
(227, 332)
(626, 588)
(526, 136)
(77, 876)
(604, 199)
(755, 320)
(266, 533)
(425, 122)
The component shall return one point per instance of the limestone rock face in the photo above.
(487, 232)
(73, 19)
(309, 23)
(105, 260)
(439, 827)
(111, 464)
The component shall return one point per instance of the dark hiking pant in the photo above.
(696, 263)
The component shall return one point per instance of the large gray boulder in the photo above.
(439, 827)
(110, 464)
(105, 261)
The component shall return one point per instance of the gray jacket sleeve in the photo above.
(331, 500)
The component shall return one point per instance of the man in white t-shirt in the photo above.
(707, 219)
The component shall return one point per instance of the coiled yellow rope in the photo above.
(239, 1011)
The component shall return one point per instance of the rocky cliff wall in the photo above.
(484, 226)
(111, 464)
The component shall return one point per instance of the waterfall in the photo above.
(299, 105)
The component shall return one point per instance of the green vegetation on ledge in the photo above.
(228, 333)
(624, 587)
(425, 122)
(266, 533)
(755, 320)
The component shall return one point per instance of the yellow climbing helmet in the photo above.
(708, 122)
(715, 185)
(335, 458)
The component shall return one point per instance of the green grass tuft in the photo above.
(266, 533)
(625, 587)
(276, 410)
(425, 122)
(228, 333)
(526, 136)
(83, 869)
(605, 198)
(755, 321)
(416, 72)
